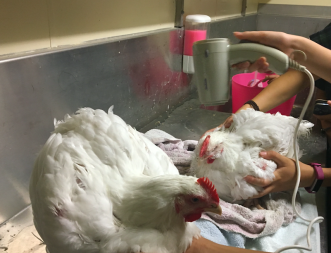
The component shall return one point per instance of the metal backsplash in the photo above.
(225, 28)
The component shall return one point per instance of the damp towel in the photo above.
(235, 218)
(294, 233)
(179, 151)
(257, 223)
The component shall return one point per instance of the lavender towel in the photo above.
(251, 223)
(257, 223)
(179, 151)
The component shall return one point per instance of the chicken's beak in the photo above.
(214, 208)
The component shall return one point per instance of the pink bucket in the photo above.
(241, 93)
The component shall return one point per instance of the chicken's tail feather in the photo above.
(305, 128)
(111, 109)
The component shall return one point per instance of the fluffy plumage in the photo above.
(98, 185)
(226, 156)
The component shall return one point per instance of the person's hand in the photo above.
(285, 175)
(279, 40)
(261, 65)
(227, 123)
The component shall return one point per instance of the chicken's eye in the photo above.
(195, 200)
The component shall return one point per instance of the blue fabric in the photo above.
(219, 236)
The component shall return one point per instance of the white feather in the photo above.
(236, 151)
(100, 186)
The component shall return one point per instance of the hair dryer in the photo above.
(213, 58)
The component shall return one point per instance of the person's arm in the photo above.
(318, 56)
(277, 92)
(285, 175)
(203, 245)
(280, 90)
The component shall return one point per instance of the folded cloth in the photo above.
(252, 223)
(256, 223)
(294, 233)
(158, 136)
(179, 151)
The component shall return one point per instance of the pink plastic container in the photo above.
(241, 93)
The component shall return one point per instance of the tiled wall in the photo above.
(37, 24)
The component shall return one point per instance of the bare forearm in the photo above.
(203, 245)
(318, 57)
(308, 176)
(280, 90)
(327, 177)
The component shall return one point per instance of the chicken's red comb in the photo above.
(204, 146)
(209, 188)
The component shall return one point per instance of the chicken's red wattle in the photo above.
(210, 159)
(192, 217)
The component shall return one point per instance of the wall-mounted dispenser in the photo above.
(196, 28)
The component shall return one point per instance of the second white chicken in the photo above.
(226, 156)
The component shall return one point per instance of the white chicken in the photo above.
(226, 156)
(99, 186)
